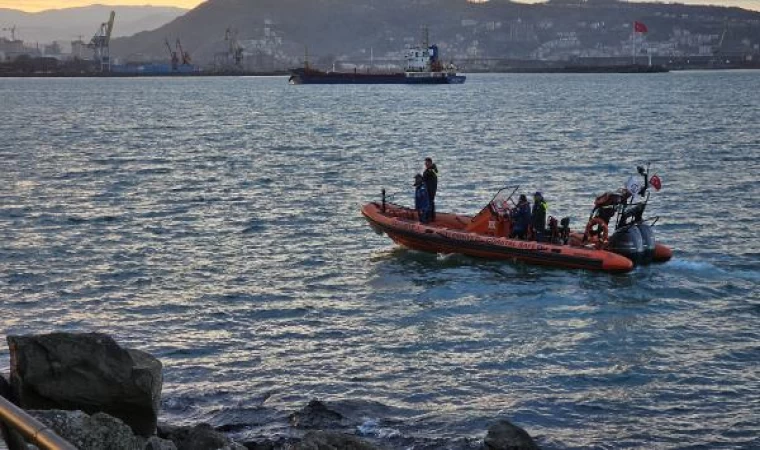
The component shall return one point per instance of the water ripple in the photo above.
(214, 223)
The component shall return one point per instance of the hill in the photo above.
(276, 32)
(68, 24)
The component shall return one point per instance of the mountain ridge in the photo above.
(337, 30)
(66, 24)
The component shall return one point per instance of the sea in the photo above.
(215, 223)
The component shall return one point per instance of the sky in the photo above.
(39, 5)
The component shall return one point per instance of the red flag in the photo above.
(639, 27)
(655, 182)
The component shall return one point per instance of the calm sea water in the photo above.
(215, 223)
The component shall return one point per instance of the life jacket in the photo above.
(539, 215)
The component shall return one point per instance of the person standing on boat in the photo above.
(539, 216)
(520, 218)
(430, 177)
(421, 199)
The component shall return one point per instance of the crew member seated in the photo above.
(520, 218)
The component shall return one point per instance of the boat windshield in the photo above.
(504, 199)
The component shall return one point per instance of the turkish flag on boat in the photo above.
(639, 27)
(655, 182)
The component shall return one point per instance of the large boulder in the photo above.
(88, 372)
(505, 436)
(97, 432)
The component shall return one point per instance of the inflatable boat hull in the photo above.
(448, 235)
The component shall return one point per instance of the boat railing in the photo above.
(32, 429)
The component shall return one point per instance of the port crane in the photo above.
(173, 54)
(101, 43)
(235, 49)
(186, 60)
(718, 49)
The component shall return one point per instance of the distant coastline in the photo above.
(630, 69)
(53, 74)
(48, 68)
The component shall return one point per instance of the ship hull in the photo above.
(318, 77)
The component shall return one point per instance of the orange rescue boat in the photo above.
(483, 236)
(487, 234)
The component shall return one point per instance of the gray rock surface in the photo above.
(173, 433)
(505, 436)
(86, 432)
(326, 440)
(88, 372)
(199, 437)
(316, 415)
(97, 432)
(156, 443)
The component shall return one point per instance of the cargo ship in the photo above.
(422, 66)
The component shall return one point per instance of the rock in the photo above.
(277, 443)
(316, 415)
(99, 431)
(173, 433)
(156, 443)
(264, 445)
(11, 437)
(5, 388)
(326, 440)
(199, 437)
(96, 432)
(204, 437)
(504, 436)
(88, 372)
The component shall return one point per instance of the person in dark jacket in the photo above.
(538, 215)
(520, 218)
(430, 177)
(421, 199)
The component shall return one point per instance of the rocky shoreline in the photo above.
(98, 395)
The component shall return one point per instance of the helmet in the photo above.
(538, 194)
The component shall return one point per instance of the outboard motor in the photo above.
(627, 241)
(647, 237)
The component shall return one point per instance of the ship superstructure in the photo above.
(422, 65)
